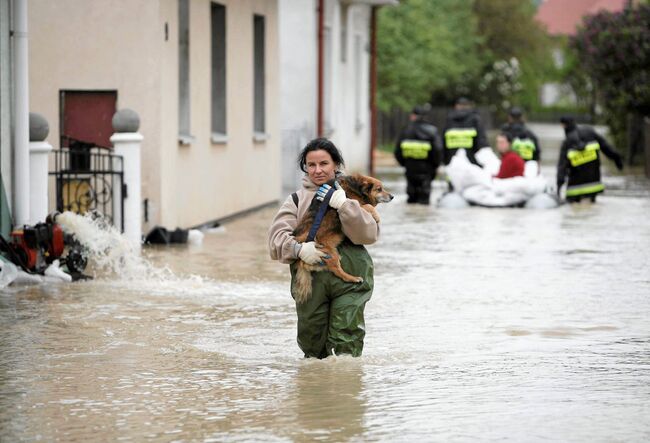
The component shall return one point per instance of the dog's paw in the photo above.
(359, 279)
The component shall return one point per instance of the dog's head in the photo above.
(367, 190)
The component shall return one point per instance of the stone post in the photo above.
(39, 151)
(127, 143)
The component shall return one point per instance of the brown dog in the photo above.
(368, 192)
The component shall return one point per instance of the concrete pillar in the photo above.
(21, 115)
(39, 151)
(127, 143)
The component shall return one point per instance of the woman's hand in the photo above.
(310, 254)
(338, 197)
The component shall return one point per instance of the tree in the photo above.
(446, 48)
(424, 47)
(614, 49)
(509, 30)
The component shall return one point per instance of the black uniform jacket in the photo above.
(461, 121)
(418, 148)
(525, 136)
(578, 158)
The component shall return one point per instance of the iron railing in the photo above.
(87, 178)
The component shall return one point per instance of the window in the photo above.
(218, 24)
(258, 87)
(184, 72)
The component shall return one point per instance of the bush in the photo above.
(614, 50)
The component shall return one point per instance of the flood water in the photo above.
(485, 324)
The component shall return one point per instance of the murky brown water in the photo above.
(509, 325)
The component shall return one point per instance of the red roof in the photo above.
(562, 17)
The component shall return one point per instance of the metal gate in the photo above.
(87, 178)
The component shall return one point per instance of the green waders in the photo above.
(331, 320)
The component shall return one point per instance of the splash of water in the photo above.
(107, 250)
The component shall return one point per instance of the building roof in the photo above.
(562, 17)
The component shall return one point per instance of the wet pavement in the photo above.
(485, 324)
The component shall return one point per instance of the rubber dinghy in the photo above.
(477, 185)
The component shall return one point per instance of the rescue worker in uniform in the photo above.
(580, 161)
(524, 141)
(331, 321)
(418, 149)
(463, 130)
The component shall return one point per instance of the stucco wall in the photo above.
(120, 45)
(299, 74)
(343, 77)
(208, 180)
(351, 133)
(99, 45)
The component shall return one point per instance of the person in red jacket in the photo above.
(512, 164)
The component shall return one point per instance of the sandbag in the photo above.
(486, 196)
(462, 174)
(488, 160)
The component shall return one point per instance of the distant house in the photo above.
(201, 74)
(325, 71)
(561, 19)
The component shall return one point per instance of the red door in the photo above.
(87, 115)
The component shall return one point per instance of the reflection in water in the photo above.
(485, 325)
(327, 398)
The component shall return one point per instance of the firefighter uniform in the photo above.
(418, 150)
(524, 141)
(580, 161)
(463, 130)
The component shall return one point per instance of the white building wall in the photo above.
(122, 45)
(346, 82)
(349, 77)
(352, 113)
(299, 83)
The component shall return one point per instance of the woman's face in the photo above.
(503, 145)
(320, 166)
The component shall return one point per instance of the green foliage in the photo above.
(446, 48)
(424, 46)
(509, 30)
(614, 50)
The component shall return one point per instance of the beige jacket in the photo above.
(358, 225)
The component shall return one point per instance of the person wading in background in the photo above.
(580, 161)
(524, 141)
(463, 130)
(418, 150)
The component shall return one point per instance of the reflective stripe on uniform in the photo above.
(525, 147)
(587, 188)
(586, 155)
(460, 138)
(415, 149)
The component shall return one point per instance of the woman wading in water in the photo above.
(331, 320)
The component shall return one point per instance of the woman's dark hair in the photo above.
(318, 144)
(507, 135)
